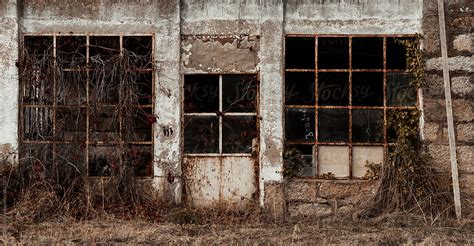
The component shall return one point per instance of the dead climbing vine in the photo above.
(71, 107)
(407, 180)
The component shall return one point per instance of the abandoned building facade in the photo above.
(204, 99)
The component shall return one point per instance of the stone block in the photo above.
(339, 190)
(465, 132)
(303, 190)
(441, 157)
(309, 209)
(463, 23)
(459, 63)
(434, 87)
(433, 132)
(463, 42)
(435, 110)
(462, 86)
(275, 199)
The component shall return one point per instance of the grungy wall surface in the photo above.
(228, 36)
(459, 23)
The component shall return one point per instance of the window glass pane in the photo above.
(333, 160)
(399, 90)
(299, 52)
(39, 51)
(299, 125)
(333, 125)
(102, 49)
(239, 93)
(70, 158)
(299, 88)
(104, 86)
(103, 160)
(396, 53)
(367, 126)
(141, 88)
(139, 158)
(71, 88)
(238, 132)
(333, 89)
(333, 53)
(103, 124)
(201, 93)
(37, 123)
(201, 134)
(71, 51)
(367, 89)
(363, 155)
(38, 156)
(71, 124)
(138, 49)
(367, 53)
(140, 128)
(305, 154)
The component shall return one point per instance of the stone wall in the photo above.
(459, 23)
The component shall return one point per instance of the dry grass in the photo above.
(392, 230)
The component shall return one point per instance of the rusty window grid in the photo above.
(350, 107)
(224, 112)
(54, 107)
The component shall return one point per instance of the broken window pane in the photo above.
(71, 88)
(71, 51)
(367, 53)
(239, 93)
(201, 93)
(139, 158)
(299, 88)
(201, 134)
(37, 86)
(138, 49)
(36, 157)
(333, 161)
(399, 90)
(299, 52)
(333, 125)
(304, 153)
(333, 89)
(367, 89)
(103, 160)
(71, 124)
(238, 132)
(141, 88)
(70, 161)
(367, 126)
(103, 125)
(37, 123)
(102, 49)
(333, 53)
(396, 53)
(299, 124)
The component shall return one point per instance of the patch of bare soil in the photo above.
(389, 230)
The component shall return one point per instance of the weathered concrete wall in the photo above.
(8, 78)
(459, 24)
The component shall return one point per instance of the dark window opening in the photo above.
(88, 101)
(220, 114)
(336, 109)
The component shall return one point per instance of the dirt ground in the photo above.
(389, 230)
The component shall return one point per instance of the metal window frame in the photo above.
(220, 116)
(350, 107)
(54, 106)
